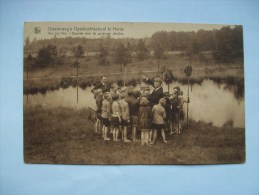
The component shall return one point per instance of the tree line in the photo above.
(226, 45)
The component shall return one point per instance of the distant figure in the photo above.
(144, 120)
(106, 114)
(159, 116)
(102, 85)
(157, 93)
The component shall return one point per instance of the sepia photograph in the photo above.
(132, 93)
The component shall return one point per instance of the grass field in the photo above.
(65, 136)
(89, 71)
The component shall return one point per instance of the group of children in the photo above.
(119, 109)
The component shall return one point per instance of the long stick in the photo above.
(124, 75)
(188, 104)
(77, 83)
(27, 70)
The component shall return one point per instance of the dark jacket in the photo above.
(100, 85)
(156, 95)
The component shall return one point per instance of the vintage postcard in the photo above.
(104, 93)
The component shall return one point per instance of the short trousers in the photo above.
(106, 122)
(124, 123)
(99, 116)
(157, 126)
(115, 122)
(181, 115)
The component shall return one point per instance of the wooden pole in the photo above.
(124, 75)
(188, 105)
(77, 82)
(27, 70)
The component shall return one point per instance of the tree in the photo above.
(79, 51)
(103, 54)
(161, 39)
(142, 51)
(27, 44)
(46, 56)
(120, 54)
(158, 53)
(229, 44)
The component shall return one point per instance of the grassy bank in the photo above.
(65, 136)
(53, 77)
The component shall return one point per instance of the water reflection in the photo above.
(210, 102)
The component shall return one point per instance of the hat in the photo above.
(158, 80)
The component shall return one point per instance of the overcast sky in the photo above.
(116, 30)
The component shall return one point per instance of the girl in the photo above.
(144, 120)
(133, 107)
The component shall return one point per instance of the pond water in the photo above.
(210, 102)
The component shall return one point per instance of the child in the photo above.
(114, 91)
(144, 120)
(181, 101)
(175, 111)
(116, 118)
(133, 107)
(159, 116)
(98, 98)
(106, 113)
(125, 117)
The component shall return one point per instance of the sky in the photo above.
(47, 30)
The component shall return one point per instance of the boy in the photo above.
(159, 116)
(125, 115)
(116, 118)
(106, 114)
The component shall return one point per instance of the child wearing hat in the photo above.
(106, 114)
(144, 119)
(125, 115)
(159, 116)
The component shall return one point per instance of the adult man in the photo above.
(157, 93)
(102, 85)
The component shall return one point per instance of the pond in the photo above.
(210, 102)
